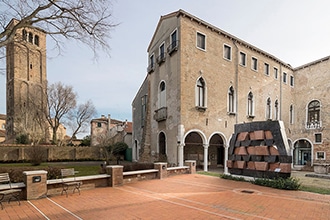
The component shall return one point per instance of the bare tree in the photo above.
(61, 99)
(80, 117)
(87, 21)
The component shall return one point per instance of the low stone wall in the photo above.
(37, 186)
(14, 153)
(321, 168)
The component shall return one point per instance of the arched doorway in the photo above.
(216, 151)
(302, 153)
(193, 149)
(162, 147)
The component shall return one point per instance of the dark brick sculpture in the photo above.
(260, 149)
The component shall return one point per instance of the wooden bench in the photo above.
(9, 193)
(68, 180)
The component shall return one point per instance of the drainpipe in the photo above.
(109, 122)
(236, 81)
(281, 93)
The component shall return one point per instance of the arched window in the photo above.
(162, 144)
(276, 110)
(36, 40)
(291, 114)
(30, 37)
(231, 100)
(250, 104)
(268, 109)
(162, 95)
(313, 115)
(24, 34)
(200, 90)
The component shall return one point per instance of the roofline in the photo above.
(220, 31)
(312, 63)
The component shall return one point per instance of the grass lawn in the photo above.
(302, 187)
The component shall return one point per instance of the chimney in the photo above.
(109, 122)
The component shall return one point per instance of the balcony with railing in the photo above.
(313, 124)
(151, 68)
(173, 47)
(161, 114)
(161, 58)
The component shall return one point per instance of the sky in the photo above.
(296, 31)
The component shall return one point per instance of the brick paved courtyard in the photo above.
(179, 197)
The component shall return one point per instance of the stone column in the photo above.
(36, 184)
(180, 152)
(206, 152)
(162, 170)
(192, 166)
(226, 158)
(116, 175)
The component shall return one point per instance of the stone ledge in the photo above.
(79, 178)
(139, 172)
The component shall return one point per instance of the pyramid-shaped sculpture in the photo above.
(260, 149)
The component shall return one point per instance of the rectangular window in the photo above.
(162, 50)
(99, 124)
(161, 56)
(275, 73)
(284, 77)
(151, 66)
(318, 138)
(320, 155)
(254, 64)
(173, 42)
(242, 59)
(291, 81)
(201, 41)
(267, 69)
(227, 52)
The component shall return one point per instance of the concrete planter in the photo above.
(321, 168)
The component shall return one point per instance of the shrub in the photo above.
(37, 155)
(230, 177)
(279, 183)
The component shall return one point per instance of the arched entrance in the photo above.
(302, 152)
(216, 151)
(162, 147)
(193, 149)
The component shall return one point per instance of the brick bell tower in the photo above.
(26, 83)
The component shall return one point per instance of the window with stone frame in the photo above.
(318, 137)
(201, 41)
(231, 100)
(242, 59)
(276, 113)
(266, 69)
(275, 73)
(227, 52)
(268, 109)
(313, 114)
(250, 105)
(254, 64)
(201, 93)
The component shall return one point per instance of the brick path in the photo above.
(179, 197)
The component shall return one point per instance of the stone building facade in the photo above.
(201, 81)
(26, 82)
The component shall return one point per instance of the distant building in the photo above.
(201, 81)
(106, 129)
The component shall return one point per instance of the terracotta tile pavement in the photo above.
(179, 197)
